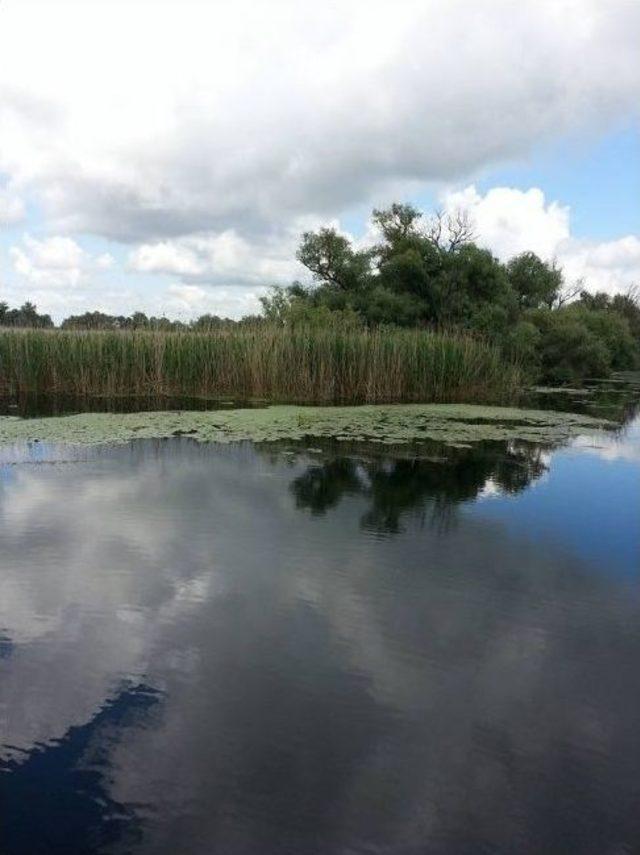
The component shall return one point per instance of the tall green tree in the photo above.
(535, 282)
(333, 261)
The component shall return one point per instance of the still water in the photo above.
(318, 650)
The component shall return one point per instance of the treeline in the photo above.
(428, 273)
(27, 316)
(140, 321)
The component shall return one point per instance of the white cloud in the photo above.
(190, 301)
(105, 261)
(55, 262)
(610, 266)
(12, 207)
(510, 221)
(213, 133)
(226, 258)
(233, 117)
(166, 257)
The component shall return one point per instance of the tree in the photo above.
(450, 232)
(472, 279)
(600, 301)
(397, 222)
(26, 316)
(536, 282)
(333, 261)
(612, 329)
(628, 305)
(568, 350)
(434, 273)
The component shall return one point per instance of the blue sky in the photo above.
(179, 178)
(598, 176)
(587, 505)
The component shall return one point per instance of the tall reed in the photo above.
(270, 363)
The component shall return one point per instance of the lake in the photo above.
(294, 648)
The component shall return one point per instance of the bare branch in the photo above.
(458, 226)
(460, 229)
(569, 293)
(435, 229)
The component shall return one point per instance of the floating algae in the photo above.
(453, 424)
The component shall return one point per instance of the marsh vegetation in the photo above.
(328, 365)
(425, 314)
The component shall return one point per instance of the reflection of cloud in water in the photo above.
(622, 445)
(324, 690)
(62, 789)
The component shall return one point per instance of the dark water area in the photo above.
(31, 405)
(615, 398)
(280, 649)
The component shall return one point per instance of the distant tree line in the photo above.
(429, 272)
(26, 316)
(140, 321)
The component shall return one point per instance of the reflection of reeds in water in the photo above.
(261, 362)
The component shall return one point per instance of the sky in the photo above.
(167, 156)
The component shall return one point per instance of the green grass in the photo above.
(269, 363)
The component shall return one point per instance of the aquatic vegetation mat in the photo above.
(394, 424)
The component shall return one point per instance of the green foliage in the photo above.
(332, 260)
(628, 305)
(612, 329)
(434, 274)
(26, 316)
(535, 282)
(397, 223)
(287, 309)
(140, 321)
(522, 344)
(568, 349)
(383, 306)
(472, 281)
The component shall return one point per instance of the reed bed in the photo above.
(272, 364)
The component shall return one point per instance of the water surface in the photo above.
(210, 649)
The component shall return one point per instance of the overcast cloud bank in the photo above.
(205, 137)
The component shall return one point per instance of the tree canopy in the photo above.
(430, 271)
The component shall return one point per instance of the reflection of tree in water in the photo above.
(57, 798)
(432, 486)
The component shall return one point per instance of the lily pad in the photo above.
(399, 423)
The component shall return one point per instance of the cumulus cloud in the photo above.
(610, 266)
(56, 262)
(192, 300)
(226, 258)
(509, 221)
(244, 115)
(207, 136)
